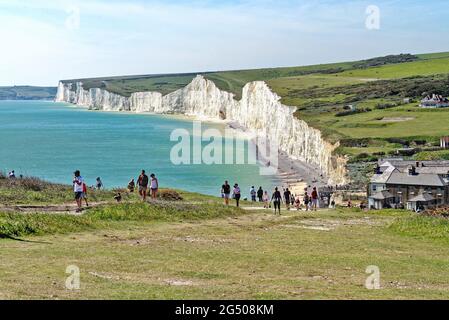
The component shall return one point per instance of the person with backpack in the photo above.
(253, 193)
(142, 182)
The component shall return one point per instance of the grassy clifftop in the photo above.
(375, 88)
(27, 93)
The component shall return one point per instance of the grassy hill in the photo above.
(376, 89)
(195, 248)
(27, 93)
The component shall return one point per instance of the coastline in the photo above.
(292, 173)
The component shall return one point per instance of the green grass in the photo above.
(232, 81)
(109, 216)
(250, 256)
(417, 68)
(404, 121)
(423, 228)
(432, 155)
(196, 248)
(32, 191)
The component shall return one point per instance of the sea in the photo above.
(51, 140)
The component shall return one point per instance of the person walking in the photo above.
(287, 198)
(306, 200)
(298, 203)
(85, 194)
(237, 194)
(142, 182)
(12, 175)
(226, 192)
(154, 186)
(253, 193)
(266, 200)
(131, 186)
(277, 200)
(99, 184)
(78, 189)
(260, 194)
(314, 199)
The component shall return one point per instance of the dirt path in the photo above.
(51, 209)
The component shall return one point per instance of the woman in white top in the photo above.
(154, 186)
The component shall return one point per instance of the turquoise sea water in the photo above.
(51, 140)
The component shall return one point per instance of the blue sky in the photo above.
(47, 40)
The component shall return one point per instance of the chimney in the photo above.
(411, 171)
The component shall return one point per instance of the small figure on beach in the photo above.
(78, 183)
(260, 194)
(99, 184)
(237, 194)
(253, 193)
(277, 200)
(226, 192)
(266, 200)
(287, 197)
(12, 175)
(154, 185)
(142, 182)
(131, 186)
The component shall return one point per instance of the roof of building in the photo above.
(418, 179)
(399, 163)
(434, 98)
(423, 197)
(384, 176)
(382, 195)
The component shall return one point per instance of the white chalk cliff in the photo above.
(259, 109)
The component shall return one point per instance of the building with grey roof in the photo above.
(409, 184)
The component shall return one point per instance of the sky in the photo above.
(44, 41)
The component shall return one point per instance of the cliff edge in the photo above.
(259, 109)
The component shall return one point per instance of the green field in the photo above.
(196, 248)
(322, 92)
(27, 93)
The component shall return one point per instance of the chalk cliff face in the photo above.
(259, 109)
